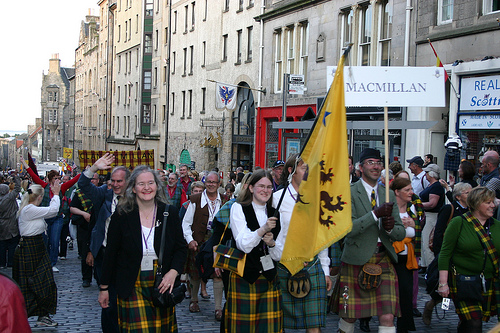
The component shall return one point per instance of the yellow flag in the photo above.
(322, 214)
(67, 152)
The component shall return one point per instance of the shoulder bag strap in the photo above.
(163, 232)
(451, 214)
(222, 237)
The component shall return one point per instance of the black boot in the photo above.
(364, 324)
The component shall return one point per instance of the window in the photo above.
(203, 99)
(126, 31)
(58, 135)
(156, 40)
(192, 15)
(155, 115)
(165, 74)
(173, 62)
(156, 77)
(226, 5)
(490, 6)
(147, 80)
(119, 32)
(191, 61)
(130, 25)
(149, 8)
(146, 113)
(240, 5)
(385, 33)
(166, 35)
(224, 48)
(303, 44)
(186, 19)
(249, 43)
(51, 97)
(48, 135)
(175, 22)
(365, 32)
(173, 104)
(55, 96)
(278, 61)
(204, 50)
(445, 11)
(290, 46)
(118, 96)
(52, 116)
(137, 23)
(185, 62)
(250, 3)
(206, 11)
(190, 101)
(238, 47)
(183, 104)
(48, 154)
(148, 43)
(164, 113)
(346, 28)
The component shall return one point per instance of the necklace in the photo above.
(146, 217)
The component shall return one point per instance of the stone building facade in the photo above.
(55, 94)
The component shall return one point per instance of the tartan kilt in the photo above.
(307, 312)
(362, 303)
(468, 310)
(190, 267)
(32, 271)
(137, 312)
(252, 308)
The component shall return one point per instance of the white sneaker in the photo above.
(46, 321)
(55, 269)
(62, 258)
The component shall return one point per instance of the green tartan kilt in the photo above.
(468, 310)
(362, 303)
(310, 311)
(190, 267)
(137, 312)
(252, 308)
(33, 273)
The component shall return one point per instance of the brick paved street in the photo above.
(78, 310)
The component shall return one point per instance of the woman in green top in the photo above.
(469, 244)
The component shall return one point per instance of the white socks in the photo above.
(386, 329)
(346, 327)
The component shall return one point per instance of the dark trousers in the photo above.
(63, 245)
(109, 315)
(54, 226)
(82, 238)
(7, 249)
(405, 282)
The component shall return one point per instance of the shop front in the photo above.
(478, 121)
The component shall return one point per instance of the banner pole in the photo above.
(386, 158)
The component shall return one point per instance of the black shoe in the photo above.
(86, 284)
(416, 313)
(364, 324)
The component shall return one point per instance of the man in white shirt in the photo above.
(197, 225)
(419, 182)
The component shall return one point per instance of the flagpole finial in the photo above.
(348, 49)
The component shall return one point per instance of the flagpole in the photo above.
(235, 85)
(276, 212)
(445, 74)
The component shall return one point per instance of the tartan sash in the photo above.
(485, 240)
(85, 201)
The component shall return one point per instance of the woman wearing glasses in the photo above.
(253, 302)
(132, 250)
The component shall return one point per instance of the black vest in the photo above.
(253, 266)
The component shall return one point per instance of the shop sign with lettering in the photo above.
(479, 121)
(480, 93)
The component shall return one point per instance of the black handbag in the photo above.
(469, 288)
(166, 300)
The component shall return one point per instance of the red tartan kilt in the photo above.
(362, 303)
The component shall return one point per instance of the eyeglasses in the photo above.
(150, 184)
(264, 187)
(211, 182)
(374, 163)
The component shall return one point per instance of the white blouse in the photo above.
(247, 240)
(410, 231)
(32, 218)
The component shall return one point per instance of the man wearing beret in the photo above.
(375, 225)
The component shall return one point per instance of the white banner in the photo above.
(480, 93)
(225, 96)
(392, 86)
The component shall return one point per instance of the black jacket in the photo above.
(122, 260)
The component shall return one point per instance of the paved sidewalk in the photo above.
(78, 310)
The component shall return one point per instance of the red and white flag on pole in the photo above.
(438, 62)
